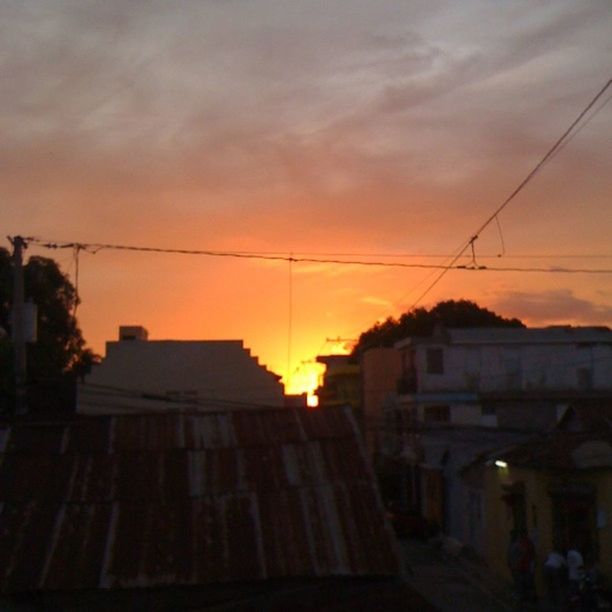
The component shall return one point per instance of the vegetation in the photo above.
(59, 355)
(422, 322)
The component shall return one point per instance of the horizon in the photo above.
(336, 131)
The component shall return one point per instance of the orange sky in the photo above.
(319, 127)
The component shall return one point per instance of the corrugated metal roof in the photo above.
(562, 450)
(183, 499)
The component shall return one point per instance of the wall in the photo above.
(526, 365)
(539, 523)
(190, 370)
(381, 369)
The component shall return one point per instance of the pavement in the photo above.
(454, 582)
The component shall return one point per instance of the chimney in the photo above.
(133, 332)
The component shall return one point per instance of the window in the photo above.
(436, 414)
(435, 361)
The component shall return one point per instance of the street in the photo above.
(450, 584)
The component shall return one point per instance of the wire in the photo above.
(290, 321)
(501, 237)
(551, 152)
(77, 299)
(96, 247)
(122, 392)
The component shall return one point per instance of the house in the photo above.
(381, 368)
(244, 509)
(464, 392)
(557, 487)
(475, 376)
(341, 382)
(141, 374)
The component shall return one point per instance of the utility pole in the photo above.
(19, 340)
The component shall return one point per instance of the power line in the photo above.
(96, 247)
(290, 321)
(551, 152)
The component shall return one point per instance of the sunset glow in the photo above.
(342, 131)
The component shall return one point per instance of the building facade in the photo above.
(142, 374)
(340, 383)
(558, 489)
(465, 392)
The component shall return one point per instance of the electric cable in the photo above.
(551, 152)
(96, 247)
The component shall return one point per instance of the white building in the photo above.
(464, 392)
(457, 374)
(140, 374)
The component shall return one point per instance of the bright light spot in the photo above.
(304, 379)
(312, 400)
(501, 464)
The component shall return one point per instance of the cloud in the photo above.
(299, 126)
(376, 301)
(558, 306)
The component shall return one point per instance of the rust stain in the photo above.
(183, 499)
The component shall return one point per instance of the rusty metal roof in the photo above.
(561, 450)
(188, 499)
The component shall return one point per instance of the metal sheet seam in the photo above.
(241, 478)
(330, 511)
(300, 425)
(222, 501)
(111, 435)
(227, 435)
(180, 433)
(197, 466)
(314, 559)
(104, 580)
(64, 442)
(254, 504)
(316, 454)
(291, 465)
(73, 473)
(57, 529)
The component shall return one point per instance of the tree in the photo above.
(422, 322)
(59, 355)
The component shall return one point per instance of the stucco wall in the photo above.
(202, 370)
(539, 505)
(520, 367)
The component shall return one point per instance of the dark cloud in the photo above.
(557, 306)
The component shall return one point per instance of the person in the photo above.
(575, 568)
(521, 558)
(554, 576)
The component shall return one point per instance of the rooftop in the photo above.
(114, 502)
(515, 335)
(562, 450)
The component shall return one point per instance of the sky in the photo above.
(388, 131)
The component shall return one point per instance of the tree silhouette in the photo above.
(59, 355)
(422, 322)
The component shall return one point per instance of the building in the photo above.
(465, 392)
(341, 382)
(381, 368)
(481, 376)
(142, 374)
(557, 487)
(269, 509)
